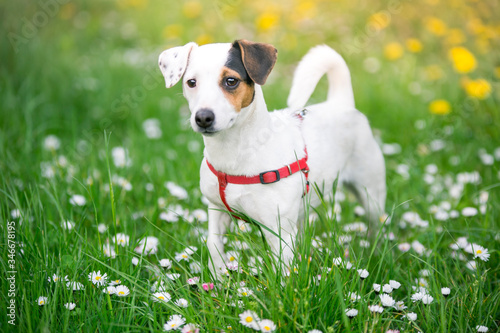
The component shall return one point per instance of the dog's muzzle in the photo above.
(204, 118)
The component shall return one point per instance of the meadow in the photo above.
(103, 224)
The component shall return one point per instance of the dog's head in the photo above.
(218, 79)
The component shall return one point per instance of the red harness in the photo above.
(266, 177)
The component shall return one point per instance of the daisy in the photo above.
(182, 303)
(110, 290)
(162, 297)
(77, 200)
(165, 263)
(115, 282)
(121, 239)
(481, 328)
(315, 331)
(200, 215)
(70, 306)
(173, 276)
(417, 296)
(42, 300)
(193, 281)
(404, 247)
(208, 286)
(427, 299)
(109, 251)
(190, 328)
(478, 251)
(244, 292)
(363, 273)
(148, 245)
(376, 287)
(412, 316)
(176, 190)
(445, 291)
(180, 256)
(267, 325)
(351, 313)
(386, 288)
(57, 278)
(51, 142)
(135, 261)
(97, 278)
(353, 296)
(375, 308)
(394, 284)
(469, 211)
(400, 306)
(68, 225)
(387, 300)
(195, 267)
(174, 323)
(472, 265)
(75, 286)
(122, 291)
(249, 319)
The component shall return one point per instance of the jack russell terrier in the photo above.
(260, 162)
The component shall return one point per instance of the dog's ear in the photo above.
(173, 63)
(258, 59)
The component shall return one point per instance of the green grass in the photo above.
(73, 83)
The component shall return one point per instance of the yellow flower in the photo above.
(267, 20)
(440, 107)
(192, 9)
(436, 26)
(479, 88)
(463, 60)
(379, 20)
(172, 31)
(497, 72)
(393, 51)
(455, 37)
(433, 73)
(204, 39)
(414, 45)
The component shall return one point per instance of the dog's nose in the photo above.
(204, 118)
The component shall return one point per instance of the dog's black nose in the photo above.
(204, 118)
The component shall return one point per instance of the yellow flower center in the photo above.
(267, 328)
(121, 293)
(97, 278)
(42, 302)
(249, 319)
(479, 251)
(232, 258)
(244, 294)
(184, 256)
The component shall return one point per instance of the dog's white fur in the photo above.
(338, 138)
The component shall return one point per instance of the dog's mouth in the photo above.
(207, 131)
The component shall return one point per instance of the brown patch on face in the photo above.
(241, 95)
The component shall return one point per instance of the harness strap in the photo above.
(266, 177)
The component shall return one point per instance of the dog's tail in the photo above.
(318, 61)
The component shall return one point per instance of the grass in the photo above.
(93, 88)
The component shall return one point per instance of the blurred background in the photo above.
(75, 69)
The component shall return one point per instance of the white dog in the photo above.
(260, 162)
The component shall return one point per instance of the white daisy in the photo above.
(57, 278)
(249, 319)
(180, 256)
(445, 291)
(244, 292)
(351, 313)
(115, 282)
(190, 328)
(97, 278)
(469, 211)
(148, 245)
(182, 303)
(110, 290)
(42, 300)
(427, 299)
(174, 323)
(400, 306)
(68, 225)
(162, 297)
(101, 227)
(404, 247)
(386, 288)
(267, 325)
(472, 265)
(176, 190)
(120, 157)
(412, 316)
(478, 251)
(417, 296)
(122, 291)
(394, 284)
(387, 300)
(70, 306)
(77, 200)
(376, 287)
(121, 239)
(353, 296)
(165, 263)
(75, 286)
(376, 308)
(51, 142)
(481, 328)
(363, 273)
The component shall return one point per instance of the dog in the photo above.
(278, 153)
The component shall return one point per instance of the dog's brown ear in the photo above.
(258, 59)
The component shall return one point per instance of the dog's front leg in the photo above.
(282, 242)
(218, 222)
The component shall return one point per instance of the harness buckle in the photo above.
(261, 176)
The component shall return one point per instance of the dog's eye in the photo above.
(191, 83)
(232, 82)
